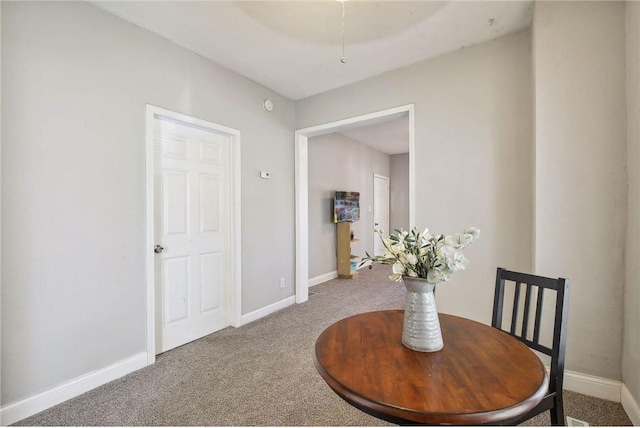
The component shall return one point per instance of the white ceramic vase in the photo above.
(421, 329)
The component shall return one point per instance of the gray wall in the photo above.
(339, 163)
(75, 81)
(473, 153)
(399, 192)
(631, 326)
(478, 161)
(580, 179)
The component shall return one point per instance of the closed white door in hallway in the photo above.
(380, 211)
(192, 231)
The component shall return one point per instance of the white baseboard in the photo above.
(630, 405)
(605, 389)
(22, 409)
(323, 278)
(593, 386)
(331, 275)
(267, 310)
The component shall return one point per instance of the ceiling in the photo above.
(391, 137)
(295, 47)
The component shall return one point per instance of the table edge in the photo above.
(404, 416)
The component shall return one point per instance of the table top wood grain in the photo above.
(481, 376)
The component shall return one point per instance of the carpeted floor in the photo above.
(261, 374)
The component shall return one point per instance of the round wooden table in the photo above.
(481, 376)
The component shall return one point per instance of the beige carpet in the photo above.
(261, 374)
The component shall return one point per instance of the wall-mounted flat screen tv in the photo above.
(346, 206)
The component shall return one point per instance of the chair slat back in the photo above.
(520, 328)
(542, 286)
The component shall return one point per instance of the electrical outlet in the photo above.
(281, 282)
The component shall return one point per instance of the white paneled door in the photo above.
(380, 211)
(192, 232)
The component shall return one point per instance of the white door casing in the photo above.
(193, 214)
(380, 211)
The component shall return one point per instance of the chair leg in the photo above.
(557, 411)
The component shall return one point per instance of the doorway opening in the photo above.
(302, 180)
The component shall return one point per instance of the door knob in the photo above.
(158, 249)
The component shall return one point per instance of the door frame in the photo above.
(383, 177)
(153, 112)
(302, 180)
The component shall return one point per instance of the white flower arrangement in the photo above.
(422, 255)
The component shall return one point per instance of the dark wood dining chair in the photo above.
(521, 328)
